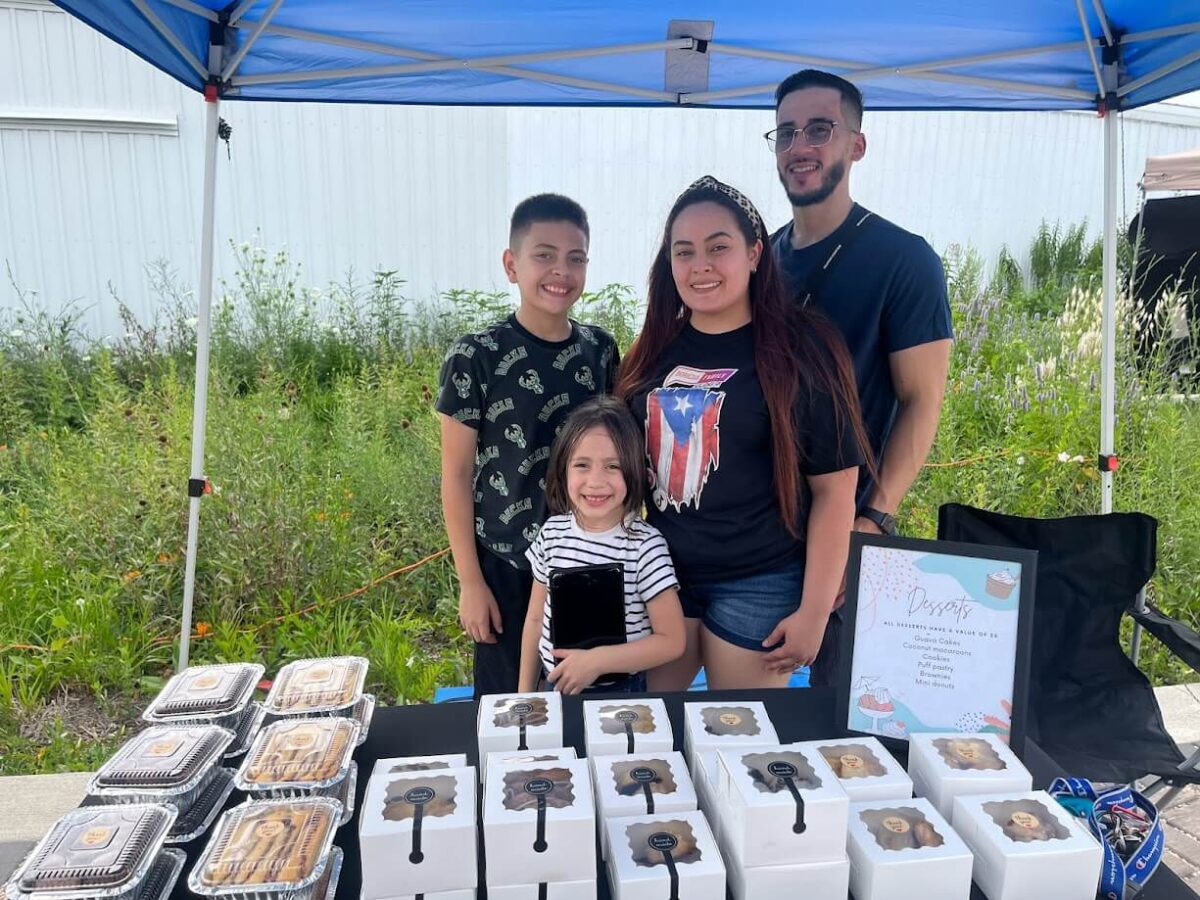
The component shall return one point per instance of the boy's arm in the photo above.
(580, 668)
(477, 609)
(530, 672)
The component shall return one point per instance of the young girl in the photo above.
(754, 440)
(594, 489)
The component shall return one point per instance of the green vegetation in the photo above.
(322, 449)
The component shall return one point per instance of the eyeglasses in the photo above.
(816, 134)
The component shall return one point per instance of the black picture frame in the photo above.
(1027, 559)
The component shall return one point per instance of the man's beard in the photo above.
(833, 177)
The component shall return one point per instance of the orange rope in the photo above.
(198, 635)
(403, 570)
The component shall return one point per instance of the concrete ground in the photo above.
(1180, 706)
(29, 804)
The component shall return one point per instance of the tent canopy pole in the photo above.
(1108, 319)
(170, 37)
(250, 41)
(196, 480)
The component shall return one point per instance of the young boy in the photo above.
(503, 394)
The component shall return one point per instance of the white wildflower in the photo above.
(1064, 456)
(1078, 458)
(80, 602)
(1090, 344)
(1020, 460)
(285, 412)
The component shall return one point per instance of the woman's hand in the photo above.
(801, 634)
(578, 670)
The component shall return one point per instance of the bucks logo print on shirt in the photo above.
(683, 435)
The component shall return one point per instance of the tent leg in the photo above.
(1108, 319)
(200, 399)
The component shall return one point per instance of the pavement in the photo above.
(1180, 705)
(29, 804)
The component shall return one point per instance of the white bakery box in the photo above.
(558, 890)
(903, 849)
(638, 784)
(667, 855)
(781, 805)
(525, 757)
(416, 831)
(539, 823)
(811, 881)
(725, 726)
(641, 725)
(519, 721)
(705, 768)
(397, 764)
(824, 880)
(465, 894)
(945, 765)
(1026, 845)
(864, 767)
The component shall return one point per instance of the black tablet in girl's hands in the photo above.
(587, 606)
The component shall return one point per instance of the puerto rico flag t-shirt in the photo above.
(711, 491)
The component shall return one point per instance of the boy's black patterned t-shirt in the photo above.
(516, 389)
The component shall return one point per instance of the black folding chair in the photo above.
(1090, 707)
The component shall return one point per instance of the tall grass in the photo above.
(322, 449)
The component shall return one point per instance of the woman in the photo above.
(753, 439)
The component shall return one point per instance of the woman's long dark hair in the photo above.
(797, 352)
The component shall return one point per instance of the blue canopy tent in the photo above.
(1103, 55)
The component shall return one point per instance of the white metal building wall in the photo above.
(101, 163)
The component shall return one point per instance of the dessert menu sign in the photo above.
(937, 637)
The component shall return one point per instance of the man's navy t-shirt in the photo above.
(886, 291)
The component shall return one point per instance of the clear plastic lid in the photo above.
(96, 852)
(245, 729)
(205, 692)
(299, 753)
(309, 686)
(267, 846)
(194, 820)
(162, 875)
(167, 759)
(363, 713)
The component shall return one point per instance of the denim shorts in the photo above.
(744, 611)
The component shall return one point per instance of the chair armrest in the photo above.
(1181, 640)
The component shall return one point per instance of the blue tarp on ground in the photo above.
(799, 679)
(868, 40)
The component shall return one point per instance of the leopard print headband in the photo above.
(708, 183)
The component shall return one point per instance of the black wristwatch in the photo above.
(886, 522)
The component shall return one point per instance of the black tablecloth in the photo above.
(798, 715)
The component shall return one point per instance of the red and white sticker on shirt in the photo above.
(705, 378)
(683, 435)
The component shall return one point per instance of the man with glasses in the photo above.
(882, 286)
